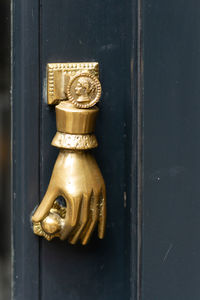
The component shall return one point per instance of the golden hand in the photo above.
(77, 178)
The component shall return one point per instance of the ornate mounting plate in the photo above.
(60, 74)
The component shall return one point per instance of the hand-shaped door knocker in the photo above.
(76, 177)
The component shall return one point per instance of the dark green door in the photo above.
(148, 133)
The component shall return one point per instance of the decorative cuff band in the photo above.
(74, 141)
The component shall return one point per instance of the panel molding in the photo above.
(25, 147)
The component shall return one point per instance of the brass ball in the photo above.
(52, 223)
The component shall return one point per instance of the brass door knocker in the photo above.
(76, 177)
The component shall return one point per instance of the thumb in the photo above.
(47, 202)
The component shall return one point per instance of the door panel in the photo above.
(66, 31)
(148, 52)
(90, 31)
(171, 240)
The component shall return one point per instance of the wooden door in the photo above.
(148, 53)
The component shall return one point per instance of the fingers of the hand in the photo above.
(75, 204)
(102, 214)
(45, 206)
(83, 220)
(72, 212)
(93, 218)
